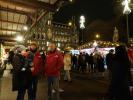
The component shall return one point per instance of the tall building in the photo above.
(46, 31)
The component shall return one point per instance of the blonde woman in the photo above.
(67, 66)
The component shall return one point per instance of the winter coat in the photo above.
(20, 79)
(82, 60)
(36, 59)
(100, 64)
(109, 60)
(120, 82)
(67, 62)
(53, 64)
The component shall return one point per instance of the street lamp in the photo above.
(127, 11)
(19, 38)
(97, 36)
(82, 26)
(25, 28)
(70, 24)
(70, 0)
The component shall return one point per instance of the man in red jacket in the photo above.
(35, 62)
(53, 65)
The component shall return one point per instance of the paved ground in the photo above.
(83, 87)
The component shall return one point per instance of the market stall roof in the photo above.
(14, 15)
(101, 44)
(68, 48)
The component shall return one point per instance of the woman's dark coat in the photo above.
(21, 79)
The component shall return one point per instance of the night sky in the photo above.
(91, 9)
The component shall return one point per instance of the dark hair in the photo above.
(121, 54)
(111, 51)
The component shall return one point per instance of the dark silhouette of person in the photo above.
(100, 62)
(109, 61)
(91, 62)
(119, 86)
(74, 61)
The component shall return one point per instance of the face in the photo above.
(33, 47)
(23, 52)
(52, 47)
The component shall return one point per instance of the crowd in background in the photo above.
(28, 64)
(93, 63)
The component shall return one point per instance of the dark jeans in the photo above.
(53, 83)
(92, 67)
(21, 93)
(31, 90)
(83, 69)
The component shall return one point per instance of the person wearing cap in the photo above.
(53, 65)
(35, 61)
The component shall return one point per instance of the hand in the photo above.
(23, 69)
(31, 64)
(32, 69)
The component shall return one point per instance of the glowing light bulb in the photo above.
(19, 38)
(25, 28)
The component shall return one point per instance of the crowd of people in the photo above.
(93, 63)
(29, 64)
(118, 65)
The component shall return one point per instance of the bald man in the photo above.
(53, 65)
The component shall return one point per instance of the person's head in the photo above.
(111, 51)
(18, 49)
(33, 47)
(52, 47)
(121, 53)
(23, 52)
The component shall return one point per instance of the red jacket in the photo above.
(54, 63)
(37, 64)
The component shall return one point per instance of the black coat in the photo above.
(74, 59)
(100, 64)
(20, 79)
(109, 60)
(119, 87)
